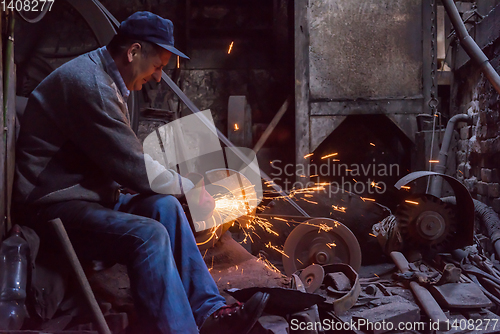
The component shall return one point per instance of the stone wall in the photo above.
(478, 156)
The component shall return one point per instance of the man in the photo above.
(75, 146)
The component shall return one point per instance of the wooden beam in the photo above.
(302, 126)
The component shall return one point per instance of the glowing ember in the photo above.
(372, 144)
(329, 155)
(338, 208)
(268, 264)
(230, 47)
(269, 245)
(236, 128)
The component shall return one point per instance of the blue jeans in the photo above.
(172, 288)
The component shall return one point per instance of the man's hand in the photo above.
(201, 203)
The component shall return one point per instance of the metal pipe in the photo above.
(470, 46)
(440, 166)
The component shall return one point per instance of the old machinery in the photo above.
(426, 221)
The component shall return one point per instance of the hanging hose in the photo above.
(488, 219)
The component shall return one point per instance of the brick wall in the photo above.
(478, 157)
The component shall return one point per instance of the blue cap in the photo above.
(150, 27)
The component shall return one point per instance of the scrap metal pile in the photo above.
(448, 278)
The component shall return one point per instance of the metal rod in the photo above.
(68, 249)
(470, 46)
(428, 303)
(191, 106)
(270, 128)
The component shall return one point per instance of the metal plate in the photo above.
(322, 241)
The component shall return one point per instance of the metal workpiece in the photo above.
(425, 298)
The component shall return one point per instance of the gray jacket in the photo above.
(75, 140)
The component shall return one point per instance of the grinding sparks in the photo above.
(375, 185)
(308, 155)
(339, 208)
(277, 218)
(269, 245)
(178, 62)
(433, 161)
(367, 199)
(268, 264)
(329, 155)
(372, 235)
(332, 244)
(405, 187)
(411, 202)
(230, 48)
(312, 202)
(236, 128)
(324, 227)
(372, 144)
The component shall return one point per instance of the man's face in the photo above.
(144, 68)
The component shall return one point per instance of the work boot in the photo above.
(236, 318)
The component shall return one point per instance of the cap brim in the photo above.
(173, 50)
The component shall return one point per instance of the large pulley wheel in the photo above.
(426, 221)
(320, 241)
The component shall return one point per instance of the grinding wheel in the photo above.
(322, 241)
(312, 277)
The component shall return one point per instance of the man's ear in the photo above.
(133, 51)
